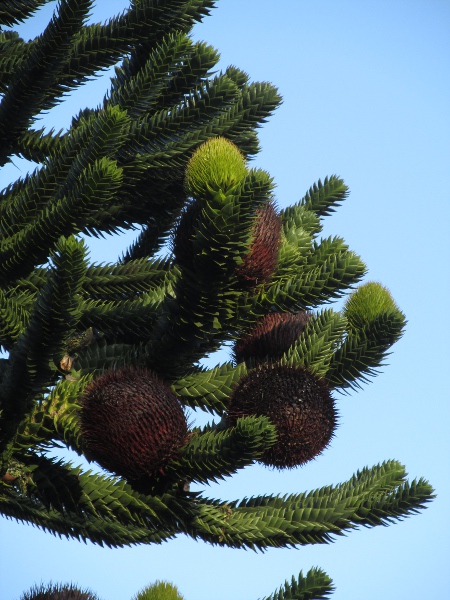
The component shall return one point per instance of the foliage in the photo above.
(316, 585)
(167, 153)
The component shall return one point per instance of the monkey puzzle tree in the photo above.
(106, 358)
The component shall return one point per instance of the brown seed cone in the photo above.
(271, 336)
(132, 423)
(261, 262)
(297, 402)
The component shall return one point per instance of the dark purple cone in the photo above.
(57, 592)
(261, 262)
(271, 336)
(297, 402)
(132, 423)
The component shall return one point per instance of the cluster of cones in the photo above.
(296, 401)
(133, 423)
(215, 169)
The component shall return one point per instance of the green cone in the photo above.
(367, 303)
(217, 165)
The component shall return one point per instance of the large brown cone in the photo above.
(271, 336)
(261, 262)
(297, 402)
(132, 423)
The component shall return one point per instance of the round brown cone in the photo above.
(271, 336)
(132, 423)
(297, 402)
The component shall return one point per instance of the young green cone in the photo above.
(217, 165)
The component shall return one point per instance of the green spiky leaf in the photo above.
(315, 585)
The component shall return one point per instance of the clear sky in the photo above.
(366, 88)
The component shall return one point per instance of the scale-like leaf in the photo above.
(55, 316)
(323, 198)
(315, 585)
(315, 347)
(214, 453)
(31, 89)
(210, 389)
(12, 13)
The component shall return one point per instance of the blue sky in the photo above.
(366, 88)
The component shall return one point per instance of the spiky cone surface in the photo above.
(132, 423)
(57, 592)
(217, 165)
(297, 402)
(271, 336)
(368, 302)
(260, 263)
